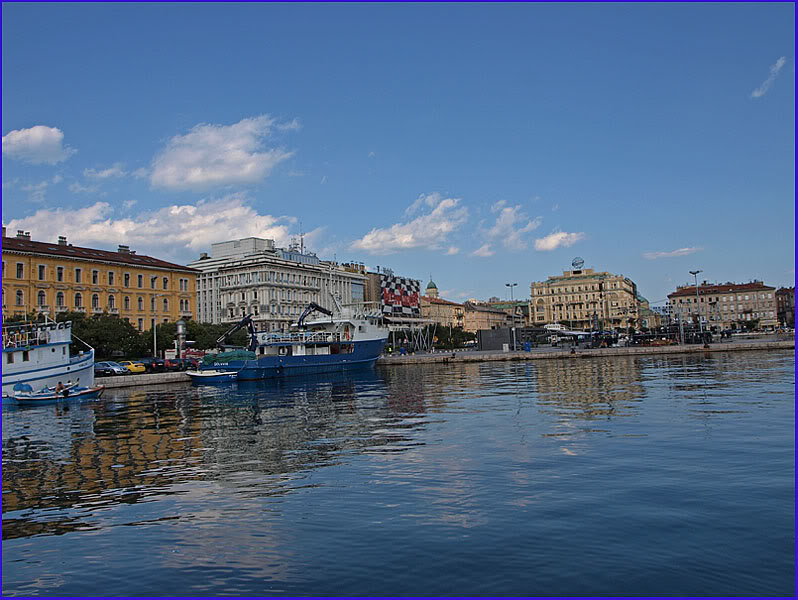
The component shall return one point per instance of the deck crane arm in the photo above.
(245, 322)
(310, 308)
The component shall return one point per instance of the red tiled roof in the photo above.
(14, 244)
(432, 300)
(721, 288)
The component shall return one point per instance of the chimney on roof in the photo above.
(23, 235)
(62, 240)
(123, 249)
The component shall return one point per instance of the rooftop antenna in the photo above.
(301, 239)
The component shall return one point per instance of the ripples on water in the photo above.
(663, 476)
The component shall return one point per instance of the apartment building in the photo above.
(725, 305)
(584, 299)
(53, 278)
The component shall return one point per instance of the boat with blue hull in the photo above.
(347, 338)
(38, 354)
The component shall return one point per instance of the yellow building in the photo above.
(581, 297)
(53, 278)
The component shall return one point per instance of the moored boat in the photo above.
(38, 354)
(24, 394)
(212, 376)
(347, 338)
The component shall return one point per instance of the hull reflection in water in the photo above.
(656, 476)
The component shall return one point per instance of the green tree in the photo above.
(110, 336)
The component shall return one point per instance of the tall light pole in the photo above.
(155, 325)
(512, 304)
(698, 310)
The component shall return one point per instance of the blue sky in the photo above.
(482, 144)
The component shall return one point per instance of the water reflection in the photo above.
(308, 481)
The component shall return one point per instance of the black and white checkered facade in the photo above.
(400, 296)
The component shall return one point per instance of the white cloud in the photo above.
(511, 224)
(555, 208)
(774, 72)
(429, 231)
(11, 183)
(77, 188)
(38, 145)
(114, 171)
(557, 239)
(453, 250)
(176, 233)
(211, 156)
(483, 251)
(36, 191)
(323, 180)
(128, 204)
(672, 253)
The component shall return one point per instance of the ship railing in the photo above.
(34, 334)
(306, 337)
(363, 310)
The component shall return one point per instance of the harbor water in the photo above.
(659, 475)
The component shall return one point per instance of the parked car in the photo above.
(153, 365)
(188, 364)
(133, 366)
(173, 364)
(109, 367)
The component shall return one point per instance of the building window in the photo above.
(153, 279)
(127, 279)
(166, 283)
(95, 301)
(126, 302)
(20, 298)
(95, 276)
(42, 271)
(78, 300)
(166, 304)
(20, 270)
(111, 302)
(41, 300)
(110, 278)
(152, 304)
(59, 274)
(141, 324)
(141, 280)
(78, 275)
(141, 304)
(59, 299)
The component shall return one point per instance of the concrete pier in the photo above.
(580, 353)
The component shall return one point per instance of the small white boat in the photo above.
(212, 376)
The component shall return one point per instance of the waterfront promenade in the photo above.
(469, 356)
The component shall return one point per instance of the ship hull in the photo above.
(364, 355)
(77, 369)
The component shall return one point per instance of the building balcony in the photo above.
(97, 310)
(113, 311)
(186, 313)
(43, 308)
(60, 309)
(80, 309)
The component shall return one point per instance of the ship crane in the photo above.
(245, 322)
(310, 308)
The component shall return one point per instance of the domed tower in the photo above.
(432, 289)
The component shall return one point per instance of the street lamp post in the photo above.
(155, 325)
(512, 304)
(697, 309)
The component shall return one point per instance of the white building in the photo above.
(250, 275)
